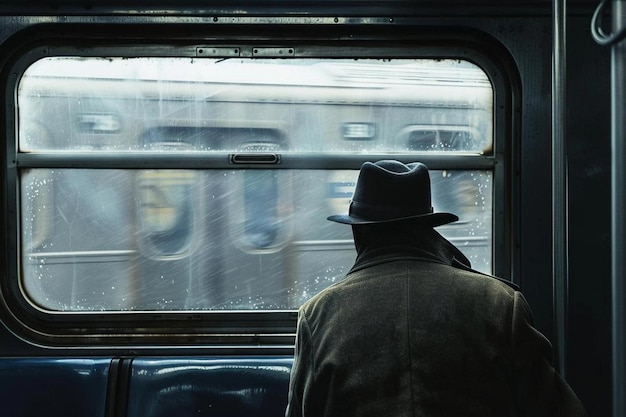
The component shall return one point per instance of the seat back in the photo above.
(53, 387)
(224, 387)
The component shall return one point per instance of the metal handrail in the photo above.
(559, 184)
(618, 205)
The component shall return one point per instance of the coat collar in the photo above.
(428, 246)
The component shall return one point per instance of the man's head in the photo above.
(390, 191)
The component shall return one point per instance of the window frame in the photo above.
(239, 328)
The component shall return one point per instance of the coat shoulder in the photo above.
(462, 266)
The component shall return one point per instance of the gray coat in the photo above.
(413, 333)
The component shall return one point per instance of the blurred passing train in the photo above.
(205, 182)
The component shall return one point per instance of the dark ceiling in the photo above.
(278, 6)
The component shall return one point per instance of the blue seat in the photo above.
(219, 387)
(53, 387)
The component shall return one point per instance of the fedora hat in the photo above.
(388, 191)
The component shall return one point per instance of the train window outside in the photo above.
(204, 184)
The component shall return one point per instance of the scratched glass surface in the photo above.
(208, 240)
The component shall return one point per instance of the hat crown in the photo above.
(390, 190)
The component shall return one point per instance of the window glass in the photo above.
(216, 239)
(245, 228)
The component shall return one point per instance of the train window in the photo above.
(204, 183)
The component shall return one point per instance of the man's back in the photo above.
(412, 330)
(418, 338)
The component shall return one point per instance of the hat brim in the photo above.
(431, 219)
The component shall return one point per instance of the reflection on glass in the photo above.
(122, 239)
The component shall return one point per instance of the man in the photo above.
(412, 330)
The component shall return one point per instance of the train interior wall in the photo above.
(589, 161)
(528, 38)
